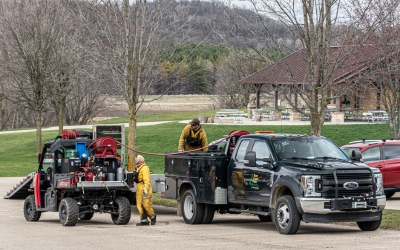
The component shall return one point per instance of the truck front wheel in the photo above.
(30, 212)
(68, 212)
(286, 215)
(389, 194)
(370, 225)
(193, 212)
(124, 211)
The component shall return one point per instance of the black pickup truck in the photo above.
(284, 178)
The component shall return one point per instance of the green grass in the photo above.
(390, 219)
(18, 156)
(157, 200)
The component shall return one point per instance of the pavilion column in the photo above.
(276, 99)
(258, 87)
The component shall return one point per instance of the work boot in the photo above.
(153, 220)
(142, 223)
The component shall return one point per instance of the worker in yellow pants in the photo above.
(144, 192)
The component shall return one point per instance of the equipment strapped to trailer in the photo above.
(20, 190)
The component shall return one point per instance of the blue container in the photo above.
(81, 149)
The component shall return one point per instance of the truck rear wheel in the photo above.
(30, 212)
(209, 211)
(193, 212)
(124, 211)
(370, 225)
(286, 215)
(68, 212)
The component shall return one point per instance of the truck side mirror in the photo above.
(356, 155)
(269, 159)
(250, 159)
(269, 163)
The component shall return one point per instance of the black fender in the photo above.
(186, 185)
(282, 185)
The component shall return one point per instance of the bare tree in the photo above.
(131, 36)
(382, 76)
(314, 25)
(231, 92)
(31, 34)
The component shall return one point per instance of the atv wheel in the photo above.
(370, 225)
(209, 211)
(265, 218)
(68, 212)
(286, 215)
(193, 212)
(124, 211)
(86, 216)
(30, 212)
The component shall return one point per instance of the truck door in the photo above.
(236, 178)
(259, 182)
(249, 184)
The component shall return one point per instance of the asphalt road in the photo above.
(170, 232)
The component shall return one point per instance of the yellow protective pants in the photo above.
(144, 204)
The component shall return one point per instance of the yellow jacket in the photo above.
(199, 133)
(143, 173)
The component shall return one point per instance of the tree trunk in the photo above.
(60, 116)
(316, 123)
(1, 113)
(38, 116)
(132, 136)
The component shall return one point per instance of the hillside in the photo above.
(215, 23)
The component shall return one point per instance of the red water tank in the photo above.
(69, 134)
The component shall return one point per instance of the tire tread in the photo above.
(124, 211)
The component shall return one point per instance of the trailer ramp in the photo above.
(20, 190)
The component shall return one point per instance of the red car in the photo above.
(383, 154)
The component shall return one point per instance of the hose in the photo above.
(178, 153)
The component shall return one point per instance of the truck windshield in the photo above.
(307, 148)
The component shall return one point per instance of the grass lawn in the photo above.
(19, 157)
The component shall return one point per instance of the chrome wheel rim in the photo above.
(283, 216)
(188, 207)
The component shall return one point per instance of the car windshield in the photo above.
(292, 148)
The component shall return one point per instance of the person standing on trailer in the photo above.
(193, 137)
(144, 193)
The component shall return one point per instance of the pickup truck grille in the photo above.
(364, 178)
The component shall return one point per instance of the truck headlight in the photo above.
(308, 183)
(379, 184)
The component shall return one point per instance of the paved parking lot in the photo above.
(170, 232)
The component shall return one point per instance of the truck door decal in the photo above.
(253, 183)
